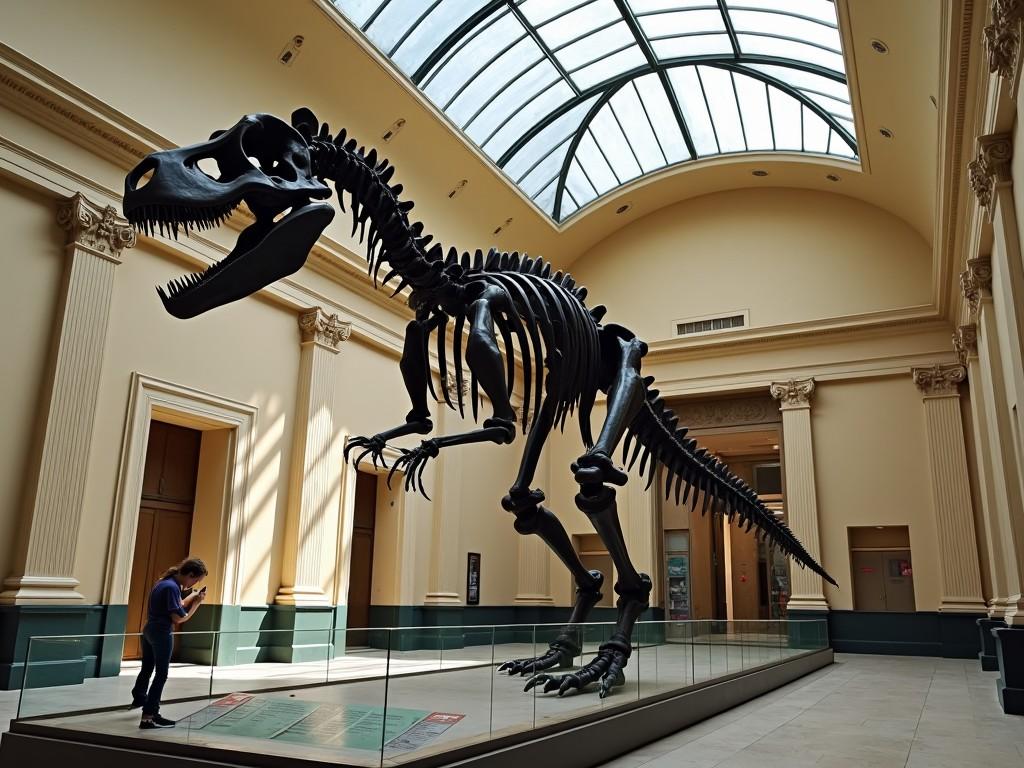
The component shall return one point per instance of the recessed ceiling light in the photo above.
(886, 133)
(775, 447)
(759, 173)
(879, 47)
(624, 207)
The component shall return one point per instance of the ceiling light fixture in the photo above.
(886, 133)
(832, 177)
(458, 188)
(879, 47)
(503, 226)
(291, 51)
(759, 173)
(775, 447)
(623, 208)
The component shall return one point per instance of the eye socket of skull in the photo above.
(278, 149)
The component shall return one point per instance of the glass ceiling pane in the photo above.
(521, 79)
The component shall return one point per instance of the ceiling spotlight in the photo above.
(832, 177)
(503, 226)
(623, 208)
(775, 447)
(886, 133)
(458, 188)
(880, 527)
(879, 47)
(759, 173)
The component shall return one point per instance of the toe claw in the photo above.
(535, 681)
(568, 683)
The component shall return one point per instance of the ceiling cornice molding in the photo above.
(960, 50)
(868, 325)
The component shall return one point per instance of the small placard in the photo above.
(473, 579)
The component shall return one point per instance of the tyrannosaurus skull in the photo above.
(263, 161)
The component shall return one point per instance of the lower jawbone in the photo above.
(272, 247)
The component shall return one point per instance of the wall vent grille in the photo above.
(709, 324)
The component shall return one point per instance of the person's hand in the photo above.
(201, 595)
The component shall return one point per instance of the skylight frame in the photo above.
(817, 88)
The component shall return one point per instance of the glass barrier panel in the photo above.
(433, 711)
(268, 660)
(512, 709)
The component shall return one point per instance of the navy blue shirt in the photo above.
(164, 602)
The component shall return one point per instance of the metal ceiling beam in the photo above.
(556, 211)
(615, 83)
(733, 40)
(542, 45)
(655, 65)
(457, 34)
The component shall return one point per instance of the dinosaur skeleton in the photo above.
(540, 317)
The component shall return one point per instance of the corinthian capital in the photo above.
(1002, 38)
(795, 393)
(940, 379)
(990, 167)
(326, 330)
(99, 230)
(965, 342)
(976, 282)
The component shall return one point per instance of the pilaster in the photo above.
(314, 493)
(794, 396)
(951, 492)
(45, 555)
(447, 561)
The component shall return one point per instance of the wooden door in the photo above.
(165, 517)
(899, 581)
(360, 574)
(868, 581)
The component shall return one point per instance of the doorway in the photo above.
(360, 582)
(883, 572)
(165, 517)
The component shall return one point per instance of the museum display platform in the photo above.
(415, 708)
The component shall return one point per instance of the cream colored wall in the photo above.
(871, 468)
(32, 265)
(785, 255)
(247, 352)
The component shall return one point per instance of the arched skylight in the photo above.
(574, 98)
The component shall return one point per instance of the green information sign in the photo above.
(312, 723)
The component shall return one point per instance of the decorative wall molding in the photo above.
(990, 167)
(149, 396)
(965, 342)
(731, 412)
(795, 393)
(1003, 40)
(325, 330)
(976, 283)
(939, 380)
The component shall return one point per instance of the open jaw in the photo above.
(272, 247)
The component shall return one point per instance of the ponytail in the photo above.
(190, 566)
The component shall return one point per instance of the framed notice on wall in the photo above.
(473, 578)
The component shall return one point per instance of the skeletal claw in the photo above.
(568, 683)
(535, 681)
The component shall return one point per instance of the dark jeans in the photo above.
(156, 655)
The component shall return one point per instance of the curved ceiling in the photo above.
(572, 99)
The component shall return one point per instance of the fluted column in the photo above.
(951, 490)
(447, 561)
(965, 342)
(794, 396)
(45, 553)
(313, 492)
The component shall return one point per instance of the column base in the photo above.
(1010, 654)
(442, 598)
(963, 606)
(50, 590)
(302, 596)
(1013, 614)
(534, 600)
(987, 654)
(807, 603)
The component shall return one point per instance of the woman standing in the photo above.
(166, 608)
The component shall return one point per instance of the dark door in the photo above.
(868, 581)
(360, 579)
(165, 516)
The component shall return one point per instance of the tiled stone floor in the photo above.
(864, 712)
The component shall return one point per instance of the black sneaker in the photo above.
(156, 722)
